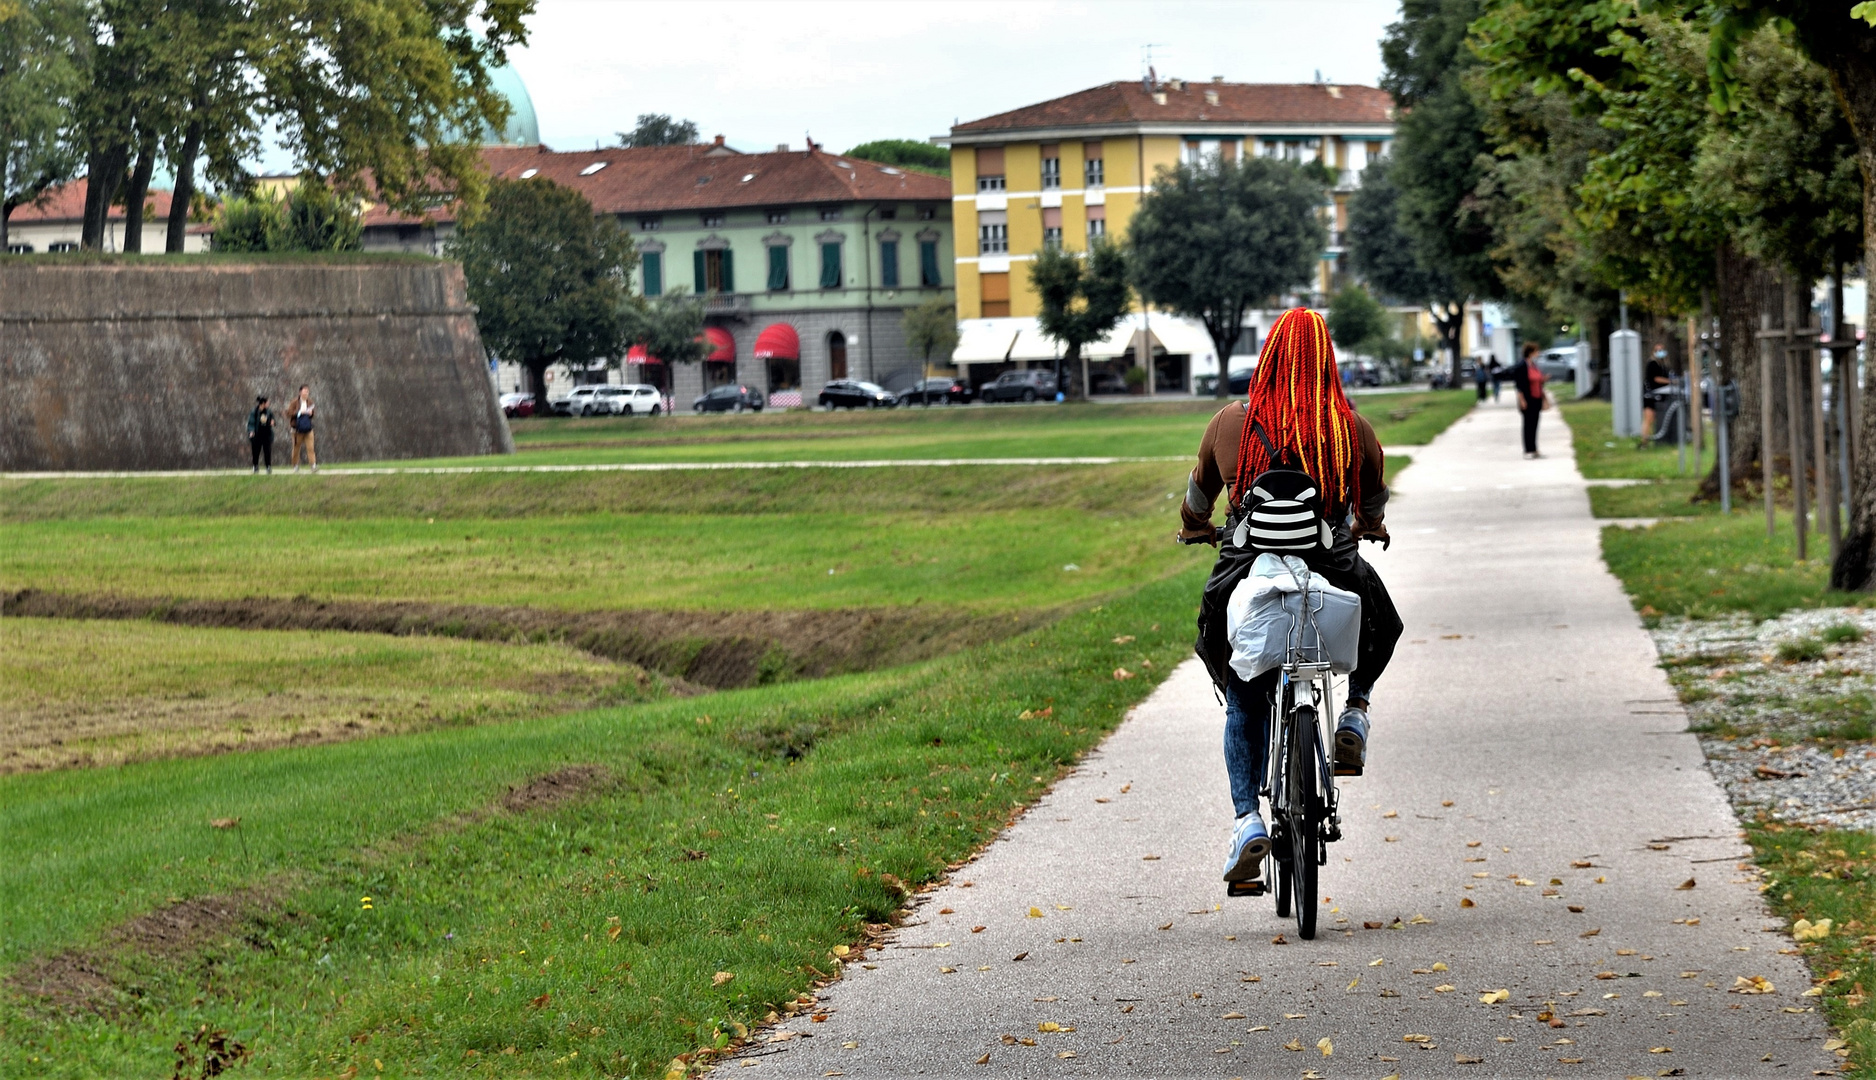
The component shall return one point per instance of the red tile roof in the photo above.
(1127, 103)
(655, 179)
(67, 203)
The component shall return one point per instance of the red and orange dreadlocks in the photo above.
(1296, 397)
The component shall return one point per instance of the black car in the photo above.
(1031, 385)
(854, 394)
(936, 392)
(730, 398)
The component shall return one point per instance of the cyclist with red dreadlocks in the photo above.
(1296, 412)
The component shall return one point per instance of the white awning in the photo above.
(984, 341)
(1032, 344)
(1177, 335)
(1117, 341)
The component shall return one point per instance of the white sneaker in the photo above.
(1250, 842)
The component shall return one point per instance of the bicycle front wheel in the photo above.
(1302, 876)
(1305, 770)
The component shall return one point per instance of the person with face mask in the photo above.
(1655, 383)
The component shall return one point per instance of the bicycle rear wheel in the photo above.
(1305, 770)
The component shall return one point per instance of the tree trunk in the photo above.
(137, 193)
(1450, 320)
(104, 172)
(1847, 49)
(184, 194)
(1743, 285)
(537, 383)
(1068, 374)
(6, 206)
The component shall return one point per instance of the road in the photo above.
(1527, 757)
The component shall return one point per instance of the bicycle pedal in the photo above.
(1245, 888)
(1348, 770)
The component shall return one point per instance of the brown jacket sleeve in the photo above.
(1371, 515)
(1218, 451)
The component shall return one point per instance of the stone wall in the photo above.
(139, 365)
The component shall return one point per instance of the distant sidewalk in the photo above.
(623, 466)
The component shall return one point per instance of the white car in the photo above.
(638, 399)
(581, 401)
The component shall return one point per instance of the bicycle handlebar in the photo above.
(1218, 536)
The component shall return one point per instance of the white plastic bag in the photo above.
(1264, 618)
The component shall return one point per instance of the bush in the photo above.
(1135, 377)
(311, 218)
(1805, 648)
(1843, 634)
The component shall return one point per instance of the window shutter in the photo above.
(653, 282)
(830, 266)
(778, 267)
(928, 264)
(703, 280)
(889, 263)
(729, 271)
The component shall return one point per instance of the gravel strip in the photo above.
(1783, 709)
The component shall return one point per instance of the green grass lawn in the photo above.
(1712, 565)
(1171, 429)
(1600, 454)
(748, 833)
(100, 692)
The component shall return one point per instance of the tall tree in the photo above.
(932, 327)
(1383, 254)
(670, 327)
(1217, 239)
(658, 129)
(1356, 318)
(1081, 297)
(549, 279)
(1440, 150)
(44, 52)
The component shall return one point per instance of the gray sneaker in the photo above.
(1351, 742)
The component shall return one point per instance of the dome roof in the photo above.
(522, 129)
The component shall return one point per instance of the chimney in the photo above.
(781, 148)
(719, 141)
(1159, 97)
(1177, 84)
(1211, 97)
(1218, 78)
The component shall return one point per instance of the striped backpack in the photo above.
(1282, 509)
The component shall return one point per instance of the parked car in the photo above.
(1029, 385)
(729, 399)
(579, 402)
(854, 394)
(1558, 364)
(1241, 380)
(936, 392)
(514, 405)
(1359, 373)
(640, 399)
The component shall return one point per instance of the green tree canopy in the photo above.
(549, 279)
(1080, 298)
(1356, 319)
(932, 327)
(907, 154)
(1216, 239)
(658, 129)
(44, 52)
(669, 327)
(311, 218)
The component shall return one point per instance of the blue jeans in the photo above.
(1247, 732)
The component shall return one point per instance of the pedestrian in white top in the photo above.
(300, 415)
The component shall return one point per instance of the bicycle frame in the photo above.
(1298, 726)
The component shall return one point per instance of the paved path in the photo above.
(1523, 713)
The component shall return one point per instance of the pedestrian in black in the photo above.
(1495, 368)
(1480, 373)
(1529, 380)
(261, 434)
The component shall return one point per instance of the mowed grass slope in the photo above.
(747, 832)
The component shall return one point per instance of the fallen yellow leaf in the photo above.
(1466, 902)
(720, 978)
(1660, 1050)
(1494, 997)
(1438, 965)
(1323, 1044)
(1444, 988)
(842, 950)
(1048, 1026)
(1377, 961)
(1293, 1044)
(985, 1060)
(1035, 913)
(1806, 930)
(1755, 984)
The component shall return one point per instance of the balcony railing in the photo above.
(726, 304)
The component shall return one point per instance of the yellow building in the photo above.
(1062, 171)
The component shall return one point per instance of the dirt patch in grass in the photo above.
(714, 649)
(99, 980)
(551, 789)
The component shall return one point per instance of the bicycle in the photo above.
(1299, 781)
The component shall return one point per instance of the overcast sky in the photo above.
(769, 72)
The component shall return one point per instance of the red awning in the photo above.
(719, 337)
(778, 341)
(637, 355)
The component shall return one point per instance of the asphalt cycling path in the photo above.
(1527, 757)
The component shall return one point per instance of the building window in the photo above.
(889, 263)
(713, 221)
(888, 213)
(836, 353)
(927, 213)
(1093, 168)
(830, 265)
(652, 276)
(993, 232)
(1052, 228)
(715, 272)
(19, 249)
(996, 295)
(830, 213)
(650, 224)
(1097, 227)
(62, 246)
(990, 168)
(778, 267)
(777, 217)
(928, 264)
(1051, 173)
(990, 183)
